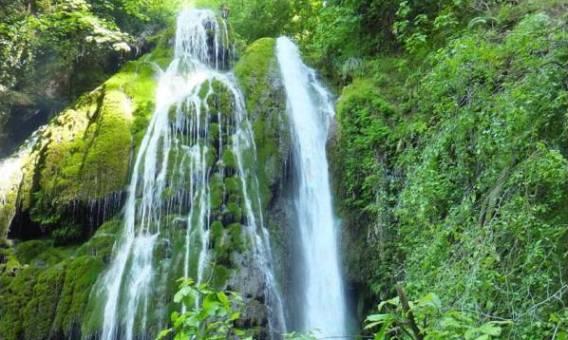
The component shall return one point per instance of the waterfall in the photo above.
(183, 159)
(11, 175)
(310, 110)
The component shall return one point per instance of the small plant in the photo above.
(426, 319)
(210, 314)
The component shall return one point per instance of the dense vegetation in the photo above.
(452, 148)
(53, 51)
(450, 158)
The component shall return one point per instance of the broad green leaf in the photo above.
(490, 329)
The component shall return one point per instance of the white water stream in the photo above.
(174, 156)
(310, 108)
(11, 175)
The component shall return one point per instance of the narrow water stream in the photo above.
(310, 108)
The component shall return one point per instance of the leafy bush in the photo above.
(463, 193)
(426, 318)
(210, 314)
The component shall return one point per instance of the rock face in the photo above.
(74, 176)
(66, 206)
(258, 75)
(72, 181)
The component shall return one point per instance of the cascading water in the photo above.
(310, 109)
(188, 152)
(11, 174)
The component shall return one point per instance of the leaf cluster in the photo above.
(208, 314)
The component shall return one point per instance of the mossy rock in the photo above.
(217, 193)
(41, 253)
(15, 293)
(235, 232)
(52, 284)
(253, 70)
(216, 231)
(40, 310)
(101, 244)
(259, 76)
(221, 99)
(8, 205)
(233, 185)
(229, 159)
(80, 276)
(220, 277)
(233, 213)
(83, 155)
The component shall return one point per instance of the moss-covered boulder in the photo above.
(44, 289)
(259, 76)
(75, 175)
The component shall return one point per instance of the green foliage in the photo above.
(490, 133)
(32, 30)
(463, 190)
(431, 319)
(211, 314)
(334, 37)
(364, 120)
(363, 146)
(269, 17)
(51, 52)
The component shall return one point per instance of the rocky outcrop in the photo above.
(44, 289)
(74, 180)
(74, 176)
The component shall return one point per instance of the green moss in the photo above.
(53, 290)
(38, 303)
(222, 244)
(216, 230)
(9, 263)
(253, 68)
(217, 196)
(235, 232)
(220, 100)
(41, 252)
(233, 185)
(7, 212)
(269, 160)
(220, 277)
(211, 156)
(229, 159)
(84, 153)
(15, 293)
(213, 132)
(259, 77)
(101, 244)
(80, 276)
(39, 312)
(235, 211)
(105, 165)
(27, 251)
